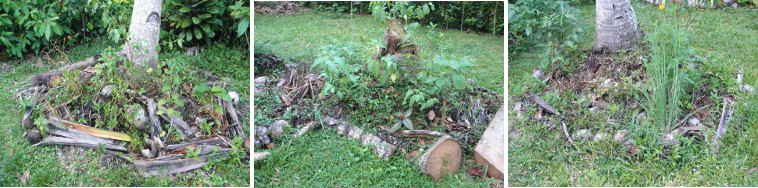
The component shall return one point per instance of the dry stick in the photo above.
(565, 131)
(542, 103)
(722, 127)
(307, 127)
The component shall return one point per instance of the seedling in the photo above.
(403, 120)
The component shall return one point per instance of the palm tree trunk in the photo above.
(617, 27)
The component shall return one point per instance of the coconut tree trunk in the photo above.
(616, 26)
(144, 33)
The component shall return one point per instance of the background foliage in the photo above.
(39, 25)
(477, 16)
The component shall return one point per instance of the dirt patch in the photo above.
(276, 7)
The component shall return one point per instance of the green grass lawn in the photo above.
(17, 156)
(535, 159)
(300, 36)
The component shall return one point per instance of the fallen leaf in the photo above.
(421, 142)
(200, 183)
(277, 169)
(476, 171)
(396, 93)
(633, 150)
(270, 145)
(449, 120)
(750, 172)
(414, 154)
(431, 115)
(25, 177)
(99, 179)
(9, 155)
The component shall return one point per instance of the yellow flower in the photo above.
(549, 43)
(661, 7)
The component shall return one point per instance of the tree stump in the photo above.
(393, 41)
(443, 157)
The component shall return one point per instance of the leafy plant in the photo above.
(243, 14)
(404, 119)
(192, 153)
(387, 10)
(207, 127)
(193, 20)
(41, 124)
(552, 24)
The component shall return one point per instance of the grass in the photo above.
(300, 35)
(727, 37)
(86, 170)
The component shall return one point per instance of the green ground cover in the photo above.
(44, 163)
(728, 37)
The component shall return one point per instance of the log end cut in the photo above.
(443, 157)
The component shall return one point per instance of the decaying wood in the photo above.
(89, 130)
(309, 126)
(543, 104)
(217, 141)
(565, 131)
(54, 140)
(43, 78)
(236, 127)
(380, 147)
(75, 134)
(164, 167)
(260, 155)
(443, 157)
(725, 113)
(155, 130)
(421, 133)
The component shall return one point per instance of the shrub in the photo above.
(553, 24)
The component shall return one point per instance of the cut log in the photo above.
(421, 133)
(54, 140)
(443, 157)
(489, 151)
(543, 104)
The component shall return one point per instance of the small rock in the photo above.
(693, 121)
(595, 110)
(139, 120)
(265, 139)
(192, 51)
(431, 115)
(583, 134)
(537, 73)
(600, 136)
(258, 143)
(107, 91)
(27, 123)
(261, 80)
(33, 136)
(261, 131)
(620, 135)
(145, 153)
(669, 139)
(235, 97)
(277, 128)
(748, 89)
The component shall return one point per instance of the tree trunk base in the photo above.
(443, 157)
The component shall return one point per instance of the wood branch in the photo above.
(421, 133)
(155, 130)
(54, 140)
(443, 157)
(309, 126)
(89, 130)
(237, 126)
(543, 104)
(260, 155)
(217, 141)
(173, 166)
(43, 78)
(722, 127)
(565, 131)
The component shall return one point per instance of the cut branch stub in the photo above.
(443, 157)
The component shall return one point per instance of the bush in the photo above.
(554, 24)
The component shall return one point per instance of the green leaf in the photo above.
(204, 16)
(415, 98)
(459, 81)
(198, 33)
(196, 20)
(396, 126)
(243, 26)
(407, 122)
(184, 9)
(408, 112)
(206, 28)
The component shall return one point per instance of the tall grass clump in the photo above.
(663, 92)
